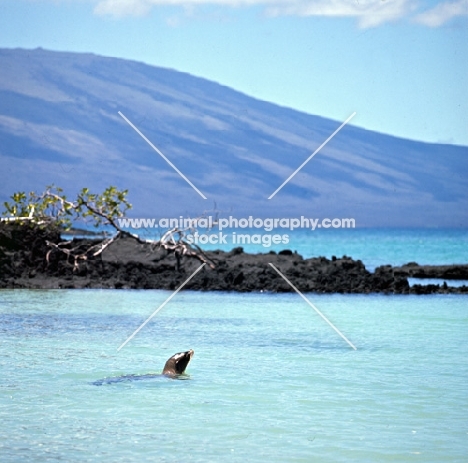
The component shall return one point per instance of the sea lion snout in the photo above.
(177, 364)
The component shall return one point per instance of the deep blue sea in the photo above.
(269, 381)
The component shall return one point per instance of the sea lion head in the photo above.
(177, 364)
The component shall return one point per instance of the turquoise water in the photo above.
(270, 380)
(373, 246)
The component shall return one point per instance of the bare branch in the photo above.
(52, 208)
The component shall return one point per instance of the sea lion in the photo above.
(174, 367)
(177, 364)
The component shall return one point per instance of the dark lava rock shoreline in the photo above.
(131, 265)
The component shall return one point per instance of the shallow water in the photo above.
(269, 381)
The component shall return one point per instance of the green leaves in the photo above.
(52, 206)
(20, 207)
(104, 208)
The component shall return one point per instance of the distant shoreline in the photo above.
(127, 264)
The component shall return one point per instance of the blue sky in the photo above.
(402, 65)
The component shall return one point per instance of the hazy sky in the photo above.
(402, 65)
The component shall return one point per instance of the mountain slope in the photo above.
(59, 123)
